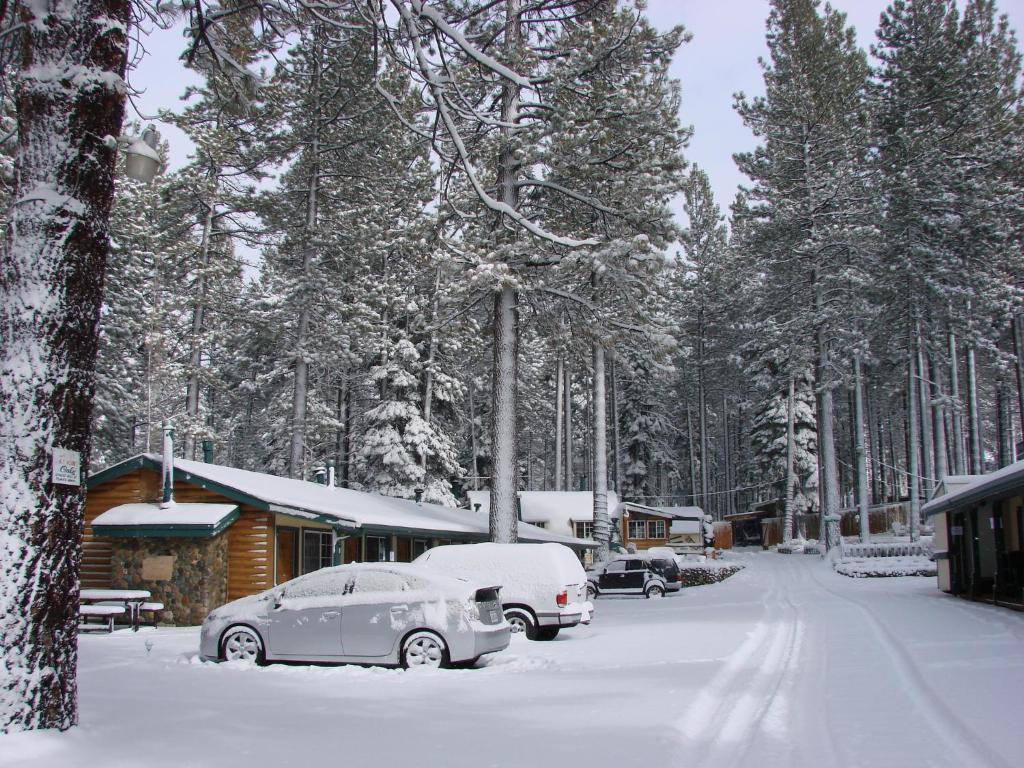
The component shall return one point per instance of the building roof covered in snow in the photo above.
(963, 490)
(341, 507)
(556, 511)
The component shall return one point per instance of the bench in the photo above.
(152, 608)
(105, 612)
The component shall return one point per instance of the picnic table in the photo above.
(132, 601)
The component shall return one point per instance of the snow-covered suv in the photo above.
(625, 576)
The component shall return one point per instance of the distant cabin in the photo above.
(228, 533)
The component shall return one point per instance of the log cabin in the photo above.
(197, 535)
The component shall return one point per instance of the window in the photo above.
(616, 566)
(318, 585)
(638, 529)
(655, 529)
(379, 581)
(584, 529)
(378, 549)
(317, 552)
(541, 524)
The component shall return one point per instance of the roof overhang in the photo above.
(177, 521)
(1004, 483)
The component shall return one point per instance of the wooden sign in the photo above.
(158, 568)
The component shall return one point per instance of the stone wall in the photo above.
(189, 576)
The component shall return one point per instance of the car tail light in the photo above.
(562, 599)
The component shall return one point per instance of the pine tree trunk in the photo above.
(693, 459)
(726, 459)
(428, 373)
(602, 522)
(787, 524)
(973, 418)
(862, 458)
(616, 437)
(558, 423)
(195, 345)
(504, 507)
(567, 394)
(925, 404)
(702, 425)
(52, 268)
(913, 441)
(503, 514)
(959, 462)
(1017, 329)
(828, 472)
(472, 437)
(296, 457)
(939, 428)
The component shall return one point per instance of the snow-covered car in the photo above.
(625, 576)
(543, 586)
(368, 613)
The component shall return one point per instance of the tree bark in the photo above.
(504, 524)
(195, 358)
(52, 268)
(693, 459)
(925, 405)
(602, 522)
(567, 394)
(973, 418)
(1017, 328)
(296, 456)
(913, 440)
(959, 463)
(787, 523)
(939, 419)
(558, 423)
(616, 437)
(862, 458)
(828, 472)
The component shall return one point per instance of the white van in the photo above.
(543, 586)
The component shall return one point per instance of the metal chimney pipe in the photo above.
(168, 465)
(330, 474)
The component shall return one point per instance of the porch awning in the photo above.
(171, 521)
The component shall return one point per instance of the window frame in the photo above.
(325, 556)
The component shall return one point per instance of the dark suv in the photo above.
(668, 569)
(626, 576)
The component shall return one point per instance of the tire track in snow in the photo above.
(744, 696)
(968, 748)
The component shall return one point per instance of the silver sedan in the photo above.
(369, 613)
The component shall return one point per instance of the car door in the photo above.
(305, 617)
(634, 576)
(612, 580)
(375, 613)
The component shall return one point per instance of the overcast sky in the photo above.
(728, 36)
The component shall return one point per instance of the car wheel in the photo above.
(424, 649)
(591, 591)
(521, 622)
(654, 591)
(547, 633)
(241, 644)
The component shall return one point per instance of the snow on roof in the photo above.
(686, 512)
(557, 510)
(975, 488)
(354, 509)
(174, 514)
(685, 526)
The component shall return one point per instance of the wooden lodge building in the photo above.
(979, 535)
(197, 535)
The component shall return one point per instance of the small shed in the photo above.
(979, 535)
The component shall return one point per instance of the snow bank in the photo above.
(867, 567)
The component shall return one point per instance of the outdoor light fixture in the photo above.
(141, 159)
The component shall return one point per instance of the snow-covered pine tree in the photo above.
(811, 213)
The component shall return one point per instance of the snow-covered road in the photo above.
(785, 664)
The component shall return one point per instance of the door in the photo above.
(305, 621)
(287, 554)
(612, 580)
(375, 615)
(633, 579)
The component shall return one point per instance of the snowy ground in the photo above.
(785, 664)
